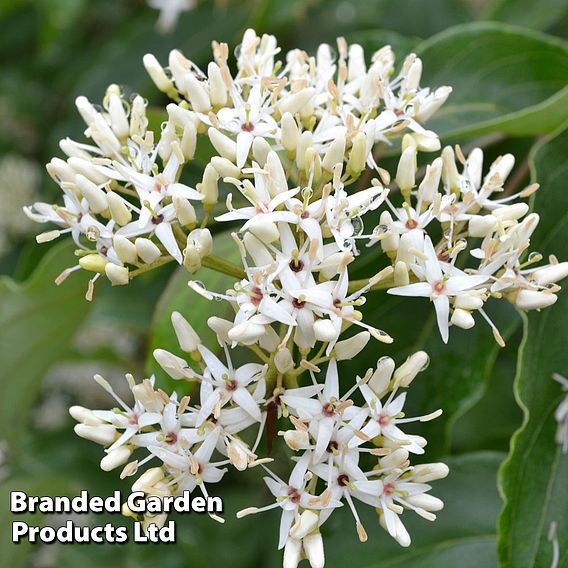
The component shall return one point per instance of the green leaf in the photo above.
(533, 480)
(37, 322)
(537, 15)
(463, 535)
(179, 297)
(505, 79)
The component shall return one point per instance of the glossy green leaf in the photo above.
(537, 15)
(37, 322)
(533, 480)
(505, 79)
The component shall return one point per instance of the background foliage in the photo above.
(508, 63)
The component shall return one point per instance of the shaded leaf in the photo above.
(533, 480)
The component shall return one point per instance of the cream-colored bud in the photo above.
(334, 154)
(86, 110)
(426, 141)
(324, 330)
(225, 168)
(188, 340)
(550, 274)
(93, 263)
(116, 458)
(267, 231)
(246, 333)
(185, 212)
(292, 553)
(533, 299)
(84, 415)
(450, 172)
(260, 150)
(400, 275)
(471, 300)
(349, 348)
(406, 373)
(148, 479)
(511, 212)
(217, 87)
(191, 258)
(226, 147)
(94, 195)
(423, 473)
(269, 340)
(427, 110)
(278, 182)
(124, 249)
(257, 250)
(481, 225)
(406, 171)
(197, 93)
(474, 167)
(176, 367)
(305, 142)
(104, 434)
(306, 523)
(381, 377)
(157, 73)
(290, 133)
(88, 169)
(119, 212)
(189, 141)
(118, 118)
(462, 318)
(293, 103)
(297, 439)
(412, 80)
(118, 275)
(358, 154)
(147, 250)
(426, 502)
(283, 360)
(238, 453)
(209, 186)
(394, 459)
(221, 327)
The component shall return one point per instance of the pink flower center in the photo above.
(439, 287)
(388, 489)
(247, 126)
(171, 438)
(343, 480)
(293, 494)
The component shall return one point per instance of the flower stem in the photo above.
(224, 266)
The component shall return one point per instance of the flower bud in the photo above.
(349, 348)
(394, 459)
(185, 212)
(267, 231)
(304, 143)
(334, 154)
(246, 333)
(84, 166)
(481, 225)
(93, 263)
(433, 104)
(226, 147)
(511, 212)
(297, 439)
(147, 250)
(176, 367)
(550, 274)
(125, 249)
(104, 434)
(290, 133)
(400, 275)
(426, 502)
(474, 167)
(462, 318)
(470, 300)
(294, 102)
(197, 94)
(217, 87)
(358, 155)
(324, 330)
(188, 340)
(157, 73)
(292, 553)
(188, 142)
(260, 150)
(148, 480)
(118, 210)
(406, 171)
(221, 327)
(278, 182)
(283, 360)
(426, 141)
(118, 118)
(381, 377)
(307, 523)
(238, 453)
(406, 373)
(450, 172)
(426, 472)
(533, 299)
(84, 415)
(95, 196)
(209, 186)
(118, 275)
(313, 547)
(116, 458)
(225, 168)
(429, 185)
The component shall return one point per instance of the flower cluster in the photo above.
(290, 139)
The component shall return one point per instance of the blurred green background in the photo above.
(508, 63)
